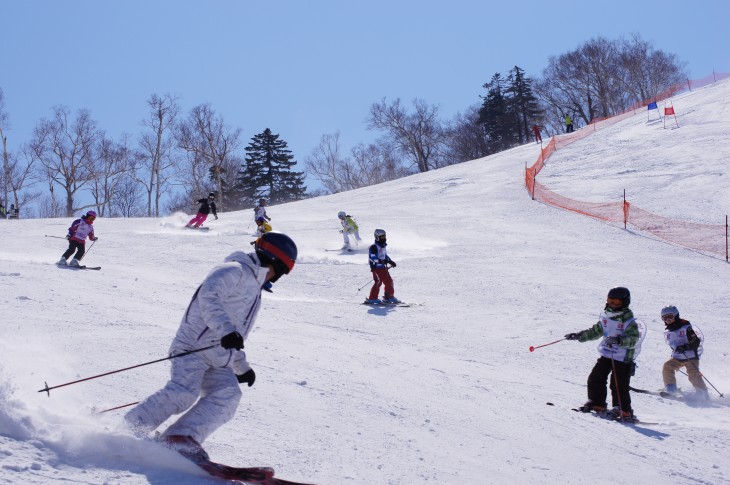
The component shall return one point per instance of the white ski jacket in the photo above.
(227, 301)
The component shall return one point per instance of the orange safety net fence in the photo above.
(709, 238)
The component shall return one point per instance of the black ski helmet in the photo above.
(211, 195)
(622, 294)
(278, 250)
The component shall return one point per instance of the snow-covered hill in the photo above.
(442, 392)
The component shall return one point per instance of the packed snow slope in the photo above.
(442, 392)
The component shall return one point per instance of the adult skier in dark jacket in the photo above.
(206, 207)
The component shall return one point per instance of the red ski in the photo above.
(191, 449)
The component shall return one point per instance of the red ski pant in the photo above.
(381, 276)
(198, 220)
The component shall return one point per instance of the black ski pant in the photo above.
(74, 246)
(597, 382)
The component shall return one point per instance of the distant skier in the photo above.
(686, 350)
(379, 261)
(204, 386)
(260, 210)
(206, 207)
(536, 132)
(568, 124)
(349, 227)
(78, 232)
(262, 227)
(620, 335)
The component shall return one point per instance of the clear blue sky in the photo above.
(306, 68)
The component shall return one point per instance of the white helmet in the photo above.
(341, 214)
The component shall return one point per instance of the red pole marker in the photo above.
(532, 348)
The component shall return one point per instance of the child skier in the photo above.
(78, 232)
(262, 227)
(379, 261)
(620, 335)
(206, 207)
(686, 350)
(349, 227)
(260, 210)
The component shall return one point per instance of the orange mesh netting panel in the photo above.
(711, 238)
(605, 211)
(703, 237)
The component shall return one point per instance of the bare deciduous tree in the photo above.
(157, 144)
(466, 139)
(4, 126)
(65, 150)
(207, 139)
(368, 165)
(603, 78)
(127, 201)
(113, 163)
(20, 176)
(419, 136)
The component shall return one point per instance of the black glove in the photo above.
(95, 238)
(249, 377)
(611, 341)
(392, 264)
(68, 236)
(232, 341)
(571, 336)
(682, 348)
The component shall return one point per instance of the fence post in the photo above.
(626, 212)
(726, 241)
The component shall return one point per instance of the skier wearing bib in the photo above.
(260, 210)
(686, 350)
(349, 228)
(379, 261)
(78, 232)
(619, 333)
(204, 387)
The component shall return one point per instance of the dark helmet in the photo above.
(622, 294)
(262, 201)
(278, 250)
(211, 195)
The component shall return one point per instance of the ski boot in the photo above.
(75, 263)
(590, 406)
(186, 446)
(62, 262)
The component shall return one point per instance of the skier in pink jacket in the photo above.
(78, 232)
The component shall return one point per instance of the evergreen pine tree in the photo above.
(523, 104)
(268, 173)
(496, 117)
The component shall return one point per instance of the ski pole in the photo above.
(363, 286)
(118, 407)
(55, 237)
(48, 389)
(533, 347)
(88, 251)
(618, 389)
(703, 376)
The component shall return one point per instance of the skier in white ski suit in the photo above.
(223, 310)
